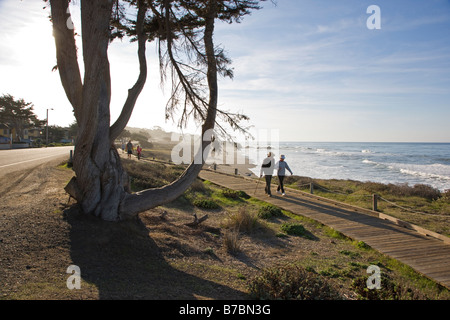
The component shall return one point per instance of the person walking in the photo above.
(129, 149)
(139, 150)
(281, 167)
(267, 169)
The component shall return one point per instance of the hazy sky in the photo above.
(311, 69)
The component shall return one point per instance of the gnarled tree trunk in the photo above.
(101, 184)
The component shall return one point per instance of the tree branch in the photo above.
(144, 200)
(66, 54)
(134, 92)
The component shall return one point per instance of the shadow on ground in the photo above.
(123, 262)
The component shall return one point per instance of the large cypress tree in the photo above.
(188, 57)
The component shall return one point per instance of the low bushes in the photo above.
(390, 290)
(291, 282)
(233, 194)
(205, 203)
(268, 211)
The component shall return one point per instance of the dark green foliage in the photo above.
(18, 114)
(291, 282)
(362, 245)
(143, 137)
(205, 203)
(233, 194)
(295, 229)
(268, 211)
(390, 290)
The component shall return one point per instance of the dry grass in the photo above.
(161, 257)
(231, 241)
(242, 220)
(419, 204)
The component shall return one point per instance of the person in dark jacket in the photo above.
(129, 149)
(281, 167)
(267, 169)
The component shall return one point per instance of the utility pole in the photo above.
(46, 128)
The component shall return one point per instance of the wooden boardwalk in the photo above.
(427, 255)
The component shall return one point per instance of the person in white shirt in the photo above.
(267, 168)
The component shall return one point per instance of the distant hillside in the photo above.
(157, 134)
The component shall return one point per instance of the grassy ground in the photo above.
(245, 249)
(267, 240)
(420, 204)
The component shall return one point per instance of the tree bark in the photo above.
(146, 199)
(100, 181)
(134, 92)
(99, 174)
(101, 184)
(66, 54)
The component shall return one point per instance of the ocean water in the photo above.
(397, 163)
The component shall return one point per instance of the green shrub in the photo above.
(295, 229)
(350, 253)
(390, 290)
(334, 233)
(205, 203)
(233, 194)
(243, 194)
(291, 282)
(268, 211)
(362, 245)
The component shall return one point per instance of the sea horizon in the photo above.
(330, 141)
(384, 162)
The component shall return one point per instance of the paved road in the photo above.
(21, 159)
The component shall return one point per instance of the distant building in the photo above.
(5, 135)
(31, 136)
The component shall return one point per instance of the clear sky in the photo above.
(311, 69)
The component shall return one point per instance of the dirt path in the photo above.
(41, 235)
(33, 237)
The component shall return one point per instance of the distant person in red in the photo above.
(139, 150)
(281, 167)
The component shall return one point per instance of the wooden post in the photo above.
(70, 158)
(311, 188)
(374, 202)
(215, 167)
